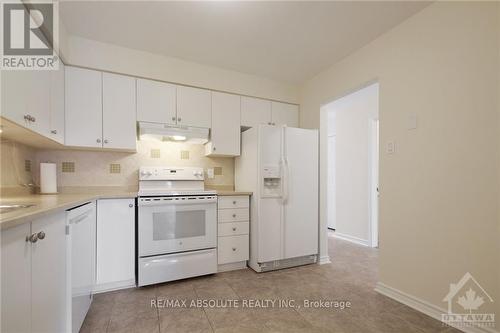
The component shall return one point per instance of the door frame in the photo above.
(373, 168)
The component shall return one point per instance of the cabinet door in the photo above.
(83, 107)
(48, 268)
(225, 133)
(118, 111)
(27, 93)
(56, 130)
(115, 243)
(285, 114)
(255, 111)
(194, 107)
(16, 279)
(156, 102)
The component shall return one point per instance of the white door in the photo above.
(225, 132)
(331, 183)
(156, 102)
(39, 101)
(255, 111)
(270, 237)
(194, 107)
(83, 107)
(285, 114)
(48, 268)
(15, 96)
(115, 242)
(301, 192)
(118, 111)
(16, 279)
(56, 131)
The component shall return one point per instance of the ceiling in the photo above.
(285, 41)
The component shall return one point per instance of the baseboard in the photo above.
(324, 260)
(425, 307)
(111, 286)
(232, 266)
(351, 239)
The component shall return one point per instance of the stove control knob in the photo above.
(146, 173)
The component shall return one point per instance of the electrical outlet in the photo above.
(210, 173)
(391, 147)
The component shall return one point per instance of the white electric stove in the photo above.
(177, 225)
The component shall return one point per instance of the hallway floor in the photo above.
(350, 277)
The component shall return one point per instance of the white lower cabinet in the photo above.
(34, 276)
(115, 244)
(233, 232)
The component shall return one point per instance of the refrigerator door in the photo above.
(300, 192)
(270, 207)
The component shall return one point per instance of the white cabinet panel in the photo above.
(48, 268)
(56, 130)
(115, 243)
(194, 107)
(237, 201)
(16, 279)
(232, 249)
(225, 132)
(26, 94)
(232, 215)
(285, 114)
(233, 228)
(255, 111)
(83, 107)
(118, 111)
(156, 102)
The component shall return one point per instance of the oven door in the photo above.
(176, 224)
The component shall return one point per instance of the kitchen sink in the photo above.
(13, 207)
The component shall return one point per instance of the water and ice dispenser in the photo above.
(271, 181)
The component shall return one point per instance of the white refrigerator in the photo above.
(280, 166)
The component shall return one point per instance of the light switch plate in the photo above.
(210, 173)
(412, 122)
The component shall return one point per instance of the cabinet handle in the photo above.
(234, 229)
(234, 249)
(98, 140)
(234, 215)
(131, 205)
(234, 202)
(214, 148)
(41, 235)
(33, 119)
(53, 131)
(106, 141)
(173, 118)
(32, 238)
(179, 119)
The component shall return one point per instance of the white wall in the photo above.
(107, 57)
(439, 197)
(354, 116)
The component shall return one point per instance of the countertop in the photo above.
(49, 203)
(45, 204)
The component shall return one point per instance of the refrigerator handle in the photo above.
(286, 174)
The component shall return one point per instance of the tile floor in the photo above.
(350, 277)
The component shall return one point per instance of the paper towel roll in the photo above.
(48, 178)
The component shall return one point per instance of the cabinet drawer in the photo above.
(232, 249)
(233, 228)
(233, 215)
(241, 201)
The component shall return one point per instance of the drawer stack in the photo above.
(233, 231)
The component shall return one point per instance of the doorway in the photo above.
(352, 164)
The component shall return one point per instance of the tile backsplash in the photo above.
(17, 162)
(101, 168)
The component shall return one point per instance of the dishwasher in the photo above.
(81, 245)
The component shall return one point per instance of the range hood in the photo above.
(165, 132)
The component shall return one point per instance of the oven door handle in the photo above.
(173, 202)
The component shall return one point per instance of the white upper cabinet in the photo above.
(194, 107)
(156, 102)
(83, 107)
(225, 132)
(285, 114)
(118, 111)
(56, 130)
(255, 111)
(26, 99)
